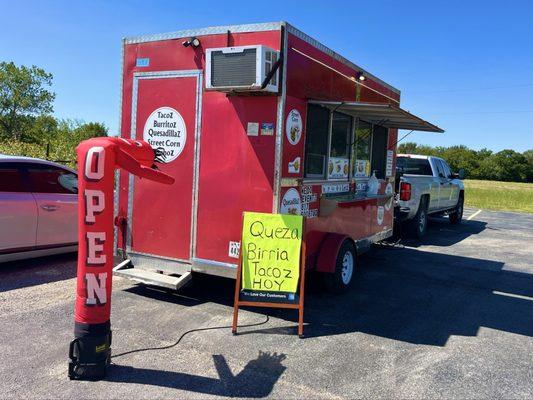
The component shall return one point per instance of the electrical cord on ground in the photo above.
(186, 333)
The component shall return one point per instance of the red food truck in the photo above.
(257, 117)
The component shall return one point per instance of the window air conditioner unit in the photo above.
(241, 68)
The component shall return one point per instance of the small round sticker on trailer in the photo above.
(388, 191)
(165, 131)
(381, 214)
(293, 127)
(291, 203)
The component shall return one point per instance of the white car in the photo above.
(38, 208)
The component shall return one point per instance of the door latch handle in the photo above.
(49, 207)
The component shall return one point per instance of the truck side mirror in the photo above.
(399, 171)
(461, 174)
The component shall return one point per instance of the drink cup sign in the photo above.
(293, 126)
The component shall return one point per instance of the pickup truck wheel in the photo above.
(457, 216)
(419, 224)
(342, 279)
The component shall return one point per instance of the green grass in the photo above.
(505, 196)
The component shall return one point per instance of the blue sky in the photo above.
(465, 65)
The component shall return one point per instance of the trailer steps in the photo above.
(126, 270)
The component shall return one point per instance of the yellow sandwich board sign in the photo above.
(271, 246)
(271, 266)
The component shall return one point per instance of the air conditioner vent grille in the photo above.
(233, 69)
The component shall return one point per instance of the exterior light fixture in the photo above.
(361, 77)
(194, 42)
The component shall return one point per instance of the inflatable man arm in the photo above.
(127, 162)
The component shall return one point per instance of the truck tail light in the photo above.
(405, 191)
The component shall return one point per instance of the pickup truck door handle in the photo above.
(49, 207)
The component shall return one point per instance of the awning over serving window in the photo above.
(385, 115)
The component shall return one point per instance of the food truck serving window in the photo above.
(327, 130)
(316, 142)
(339, 154)
(361, 149)
(380, 138)
(329, 146)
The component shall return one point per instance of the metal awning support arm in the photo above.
(275, 67)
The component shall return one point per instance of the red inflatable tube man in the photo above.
(90, 351)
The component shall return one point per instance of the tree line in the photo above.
(505, 165)
(27, 126)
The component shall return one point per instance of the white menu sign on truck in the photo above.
(165, 130)
(388, 168)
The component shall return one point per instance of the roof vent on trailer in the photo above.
(241, 68)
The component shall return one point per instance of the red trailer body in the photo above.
(239, 150)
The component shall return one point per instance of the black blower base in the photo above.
(90, 354)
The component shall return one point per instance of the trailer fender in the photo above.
(327, 256)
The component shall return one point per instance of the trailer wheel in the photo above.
(342, 279)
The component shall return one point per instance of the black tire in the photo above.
(457, 215)
(343, 278)
(417, 227)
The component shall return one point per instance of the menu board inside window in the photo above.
(361, 150)
(339, 160)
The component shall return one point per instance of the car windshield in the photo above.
(413, 166)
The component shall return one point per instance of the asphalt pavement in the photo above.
(450, 316)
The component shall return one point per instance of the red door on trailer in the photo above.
(166, 113)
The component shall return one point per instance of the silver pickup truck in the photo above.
(425, 185)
